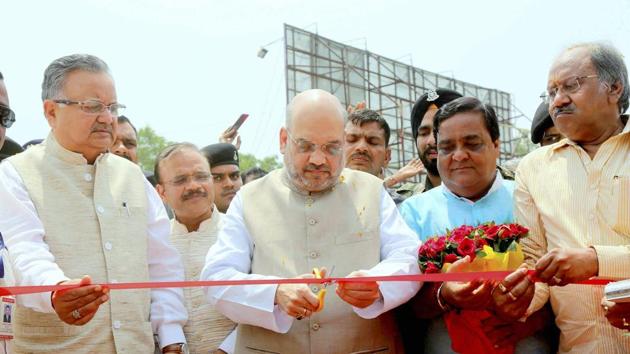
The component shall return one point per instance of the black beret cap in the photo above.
(540, 123)
(438, 97)
(221, 154)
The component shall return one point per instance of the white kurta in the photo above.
(230, 258)
(34, 264)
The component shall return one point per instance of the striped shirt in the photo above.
(569, 200)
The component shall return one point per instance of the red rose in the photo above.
(450, 258)
(491, 231)
(505, 232)
(480, 242)
(438, 245)
(467, 248)
(426, 251)
(518, 230)
(460, 233)
(431, 268)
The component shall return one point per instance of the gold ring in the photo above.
(503, 288)
(511, 296)
(305, 311)
(557, 279)
(76, 314)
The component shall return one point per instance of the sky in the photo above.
(188, 68)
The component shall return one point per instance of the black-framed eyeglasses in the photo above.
(7, 116)
(306, 147)
(569, 86)
(95, 106)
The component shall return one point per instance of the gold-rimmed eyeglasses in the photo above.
(95, 106)
(199, 177)
(305, 146)
(569, 86)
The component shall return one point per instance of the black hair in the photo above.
(363, 116)
(467, 104)
(255, 171)
(122, 119)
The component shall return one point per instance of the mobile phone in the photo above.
(239, 121)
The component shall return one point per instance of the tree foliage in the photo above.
(267, 163)
(149, 146)
(151, 143)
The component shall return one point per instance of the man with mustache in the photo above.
(574, 196)
(367, 149)
(126, 142)
(472, 192)
(73, 213)
(185, 184)
(8, 147)
(223, 159)
(126, 145)
(313, 213)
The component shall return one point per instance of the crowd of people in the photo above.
(77, 209)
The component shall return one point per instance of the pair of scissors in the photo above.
(322, 292)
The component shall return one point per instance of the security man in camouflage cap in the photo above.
(223, 159)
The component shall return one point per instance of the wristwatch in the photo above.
(181, 348)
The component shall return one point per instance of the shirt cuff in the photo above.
(283, 320)
(372, 311)
(170, 333)
(44, 300)
(614, 261)
(229, 343)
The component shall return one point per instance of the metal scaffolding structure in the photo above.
(387, 86)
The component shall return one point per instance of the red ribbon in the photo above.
(433, 277)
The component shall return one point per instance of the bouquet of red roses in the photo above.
(491, 247)
(488, 242)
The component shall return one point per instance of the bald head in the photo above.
(312, 140)
(312, 104)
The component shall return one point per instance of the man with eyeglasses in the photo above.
(185, 184)
(574, 196)
(313, 214)
(75, 214)
(226, 174)
(543, 131)
(472, 192)
(7, 118)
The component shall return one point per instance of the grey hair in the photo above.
(56, 73)
(611, 68)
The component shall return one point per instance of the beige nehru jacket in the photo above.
(206, 329)
(293, 233)
(84, 219)
(569, 200)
